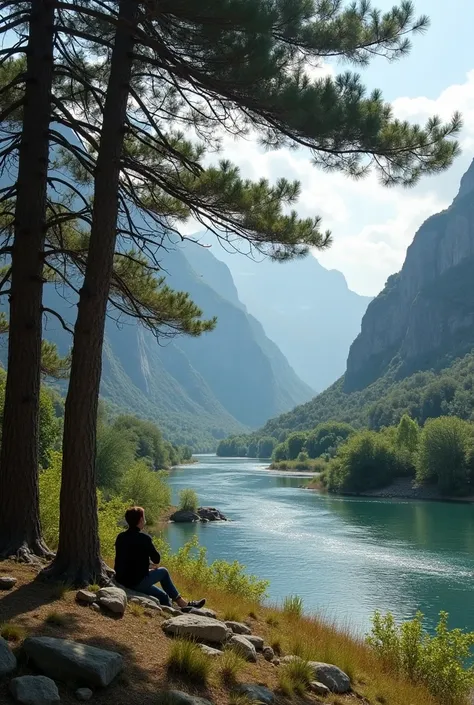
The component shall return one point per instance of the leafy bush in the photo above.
(188, 500)
(147, 488)
(366, 461)
(440, 662)
(444, 454)
(280, 453)
(296, 442)
(191, 562)
(114, 456)
(293, 606)
(187, 661)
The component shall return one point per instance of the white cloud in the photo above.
(371, 225)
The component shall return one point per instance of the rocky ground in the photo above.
(112, 648)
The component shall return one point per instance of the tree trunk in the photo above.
(78, 560)
(20, 532)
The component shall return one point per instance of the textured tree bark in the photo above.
(20, 532)
(78, 560)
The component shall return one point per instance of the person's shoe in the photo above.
(194, 604)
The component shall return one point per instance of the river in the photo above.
(345, 557)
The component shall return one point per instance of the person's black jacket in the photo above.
(133, 552)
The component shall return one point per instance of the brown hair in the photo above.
(133, 516)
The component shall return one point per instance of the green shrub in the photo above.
(188, 500)
(192, 563)
(440, 662)
(187, 661)
(293, 606)
(147, 488)
(114, 456)
(366, 461)
(444, 452)
(280, 453)
(303, 457)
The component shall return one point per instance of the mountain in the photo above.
(197, 390)
(307, 310)
(415, 350)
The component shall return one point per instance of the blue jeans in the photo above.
(148, 586)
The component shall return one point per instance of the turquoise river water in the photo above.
(345, 557)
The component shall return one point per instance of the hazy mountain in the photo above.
(307, 310)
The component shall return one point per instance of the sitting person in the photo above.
(133, 552)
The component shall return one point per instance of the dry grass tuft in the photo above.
(136, 609)
(12, 632)
(57, 619)
(295, 677)
(230, 665)
(187, 662)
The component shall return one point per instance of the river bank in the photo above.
(401, 488)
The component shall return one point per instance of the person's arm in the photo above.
(153, 553)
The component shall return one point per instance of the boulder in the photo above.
(145, 603)
(257, 692)
(319, 688)
(210, 514)
(199, 628)
(113, 599)
(7, 582)
(84, 694)
(184, 515)
(257, 641)
(69, 660)
(268, 653)
(332, 677)
(34, 690)
(177, 697)
(243, 647)
(209, 651)
(7, 659)
(86, 597)
(203, 612)
(171, 610)
(239, 628)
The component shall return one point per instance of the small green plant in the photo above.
(12, 632)
(188, 500)
(56, 619)
(440, 662)
(187, 661)
(238, 699)
(135, 609)
(295, 677)
(230, 665)
(94, 588)
(293, 606)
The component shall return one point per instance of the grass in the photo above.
(136, 609)
(60, 590)
(230, 664)
(94, 588)
(272, 621)
(294, 677)
(239, 699)
(56, 619)
(12, 632)
(293, 606)
(233, 615)
(187, 662)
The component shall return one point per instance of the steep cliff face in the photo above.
(425, 314)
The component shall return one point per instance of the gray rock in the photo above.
(145, 603)
(239, 628)
(319, 688)
(177, 697)
(113, 599)
(69, 660)
(34, 690)
(86, 597)
(210, 514)
(257, 641)
(184, 516)
(95, 607)
(203, 612)
(276, 662)
(243, 647)
(198, 628)
(84, 694)
(133, 593)
(171, 610)
(332, 677)
(209, 651)
(257, 692)
(7, 659)
(7, 582)
(268, 653)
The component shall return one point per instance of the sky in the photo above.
(371, 225)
